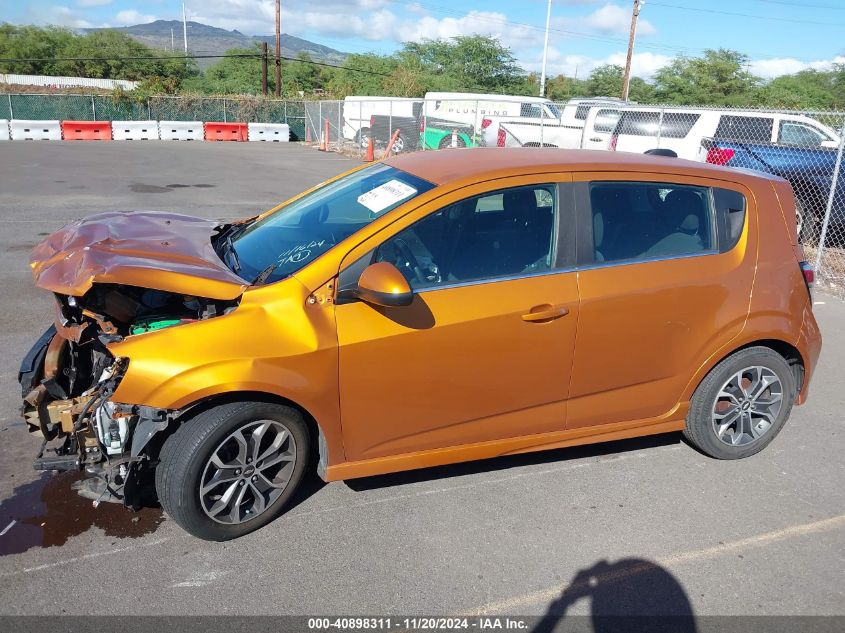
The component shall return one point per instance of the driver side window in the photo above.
(506, 233)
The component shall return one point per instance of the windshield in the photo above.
(280, 244)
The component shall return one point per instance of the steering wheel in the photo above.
(410, 259)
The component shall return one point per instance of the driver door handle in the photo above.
(544, 313)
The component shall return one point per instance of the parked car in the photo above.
(681, 129)
(359, 110)
(415, 133)
(433, 308)
(808, 169)
(485, 112)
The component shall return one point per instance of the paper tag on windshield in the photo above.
(386, 195)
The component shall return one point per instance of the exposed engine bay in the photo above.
(69, 376)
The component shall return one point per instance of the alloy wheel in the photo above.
(247, 472)
(747, 406)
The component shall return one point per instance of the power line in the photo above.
(802, 5)
(744, 15)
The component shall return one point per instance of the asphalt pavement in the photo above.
(641, 525)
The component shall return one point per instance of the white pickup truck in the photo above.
(566, 130)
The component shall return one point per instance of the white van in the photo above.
(486, 111)
(681, 130)
(357, 112)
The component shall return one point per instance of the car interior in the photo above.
(642, 220)
(495, 235)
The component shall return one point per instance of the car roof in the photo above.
(452, 165)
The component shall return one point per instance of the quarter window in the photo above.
(647, 123)
(730, 212)
(501, 234)
(606, 120)
(635, 221)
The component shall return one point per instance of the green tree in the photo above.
(718, 78)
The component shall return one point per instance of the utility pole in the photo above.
(185, 28)
(545, 50)
(264, 68)
(626, 78)
(278, 48)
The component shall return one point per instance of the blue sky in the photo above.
(780, 36)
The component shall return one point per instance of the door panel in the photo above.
(646, 327)
(459, 365)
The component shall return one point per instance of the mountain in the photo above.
(210, 40)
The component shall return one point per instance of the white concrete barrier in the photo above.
(273, 132)
(4, 130)
(134, 130)
(181, 130)
(35, 130)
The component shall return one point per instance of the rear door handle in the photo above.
(543, 313)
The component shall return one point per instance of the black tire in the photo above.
(186, 453)
(808, 224)
(700, 431)
(446, 142)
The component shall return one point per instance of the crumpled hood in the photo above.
(148, 249)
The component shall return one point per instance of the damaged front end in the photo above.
(68, 378)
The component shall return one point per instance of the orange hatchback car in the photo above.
(428, 309)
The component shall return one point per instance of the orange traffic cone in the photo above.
(371, 151)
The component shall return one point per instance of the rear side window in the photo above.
(647, 123)
(730, 215)
(794, 133)
(751, 129)
(581, 112)
(606, 120)
(640, 221)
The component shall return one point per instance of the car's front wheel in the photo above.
(231, 469)
(742, 404)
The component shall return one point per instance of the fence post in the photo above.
(286, 111)
(149, 110)
(425, 123)
(339, 124)
(833, 183)
(390, 119)
(224, 111)
(542, 128)
(478, 118)
(320, 119)
(660, 125)
(359, 135)
(11, 112)
(94, 107)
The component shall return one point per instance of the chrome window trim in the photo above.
(489, 280)
(647, 260)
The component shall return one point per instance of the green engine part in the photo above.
(152, 325)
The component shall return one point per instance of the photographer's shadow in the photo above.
(627, 596)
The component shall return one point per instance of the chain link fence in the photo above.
(805, 148)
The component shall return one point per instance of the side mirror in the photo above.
(383, 285)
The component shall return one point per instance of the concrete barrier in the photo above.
(134, 130)
(181, 130)
(23, 130)
(4, 130)
(86, 130)
(216, 131)
(272, 132)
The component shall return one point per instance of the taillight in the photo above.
(422, 125)
(809, 276)
(720, 155)
(614, 139)
(485, 123)
(500, 138)
(372, 121)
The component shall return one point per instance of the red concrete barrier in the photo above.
(226, 132)
(86, 130)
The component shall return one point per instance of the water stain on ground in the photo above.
(139, 187)
(180, 186)
(46, 513)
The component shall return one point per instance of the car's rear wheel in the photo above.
(742, 404)
(231, 469)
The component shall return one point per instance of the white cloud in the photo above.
(642, 64)
(131, 16)
(610, 19)
(65, 16)
(92, 3)
(770, 68)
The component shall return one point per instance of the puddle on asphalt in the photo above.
(47, 512)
